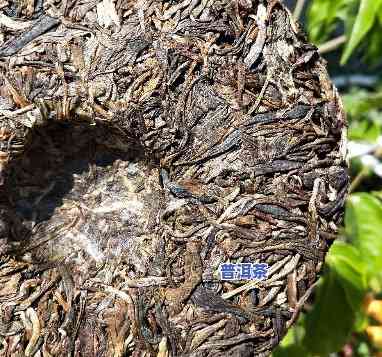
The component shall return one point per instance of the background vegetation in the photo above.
(346, 317)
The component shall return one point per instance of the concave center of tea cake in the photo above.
(85, 198)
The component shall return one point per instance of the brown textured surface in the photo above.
(142, 145)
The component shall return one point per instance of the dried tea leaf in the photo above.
(142, 146)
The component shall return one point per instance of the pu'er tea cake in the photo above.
(171, 176)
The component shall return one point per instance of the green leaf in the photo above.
(291, 343)
(361, 322)
(349, 265)
(359, 102)
(365, 130)
(363, 109)
(339, 300)
(376, 283)
(366, 17)
(363, 350)
(318, 14)
(377, 194)
(374, 45)
(379, 14)
(322, 17)
(330, 323)
(292, 350)
(363, 225)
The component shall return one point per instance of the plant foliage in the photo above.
(360, 20)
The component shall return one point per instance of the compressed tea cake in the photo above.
(172, 174)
